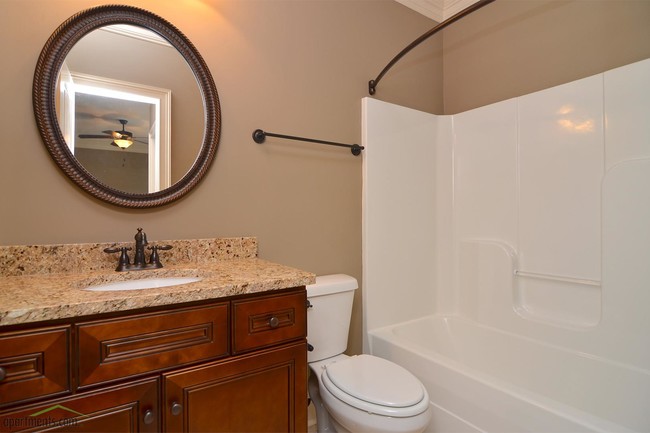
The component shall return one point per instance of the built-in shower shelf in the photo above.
(560, 278)
(557, 300)
(494, 291)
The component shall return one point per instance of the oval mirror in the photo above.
(126, 106)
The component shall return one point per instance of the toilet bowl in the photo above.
(368, 394)
(362, 393)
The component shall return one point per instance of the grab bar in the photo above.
(560, 278)
(259, 136)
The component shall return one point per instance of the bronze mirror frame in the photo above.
(44, 98)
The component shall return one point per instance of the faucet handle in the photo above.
(124, 257)
(155, 259)
(122, 250)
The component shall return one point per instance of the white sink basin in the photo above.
(147, 283)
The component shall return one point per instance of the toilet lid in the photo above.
(376, 381)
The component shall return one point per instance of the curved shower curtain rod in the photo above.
(372, 84)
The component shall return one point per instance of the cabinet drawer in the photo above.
(112, 349)
(34, 364)
(269, 320)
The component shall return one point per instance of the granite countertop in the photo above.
(32, 296)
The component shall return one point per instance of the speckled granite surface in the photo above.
(40, 283)
(78, 258)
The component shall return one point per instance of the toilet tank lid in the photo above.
(329, 284)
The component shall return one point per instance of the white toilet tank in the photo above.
(328, 318)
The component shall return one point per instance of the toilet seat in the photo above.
(375, 385)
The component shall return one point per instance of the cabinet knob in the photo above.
(148, 417)
(177, 408)
(3, 373)
(274, 322)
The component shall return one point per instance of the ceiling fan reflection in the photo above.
(122, 139)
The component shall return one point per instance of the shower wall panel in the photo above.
(561, 158)
(538, 207)
(399, 213)
(549, 239)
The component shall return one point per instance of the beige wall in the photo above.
(294, 67)
(514, 47)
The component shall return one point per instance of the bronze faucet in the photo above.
(140, 242)
(139, 261)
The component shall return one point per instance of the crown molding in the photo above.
(136, 33)
(429, 8)
(437, 10)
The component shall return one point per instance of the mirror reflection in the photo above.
(130, 109)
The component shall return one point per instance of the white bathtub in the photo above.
(483, 379)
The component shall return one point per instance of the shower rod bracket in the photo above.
(259, 136)
(372, 84)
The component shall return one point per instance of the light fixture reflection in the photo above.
(565, 109)
(123, 143)
(586, 126)
(573, 125)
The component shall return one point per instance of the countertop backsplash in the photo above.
(22, 260)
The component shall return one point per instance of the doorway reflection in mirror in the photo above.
(94, 115)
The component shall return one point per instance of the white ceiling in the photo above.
(437, 10)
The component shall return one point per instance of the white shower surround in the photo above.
(518, 228)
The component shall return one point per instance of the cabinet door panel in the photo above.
(265, 392)
(127, 408)
(35, 364)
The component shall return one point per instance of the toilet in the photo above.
(361, 393)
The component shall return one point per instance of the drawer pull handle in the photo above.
(274, 322)
(148, 417)
(3, 373)
(177, 408)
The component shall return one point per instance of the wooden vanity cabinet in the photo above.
(238, 365)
